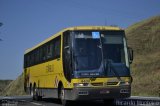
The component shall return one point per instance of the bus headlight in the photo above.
(81, 84)
(125, 83)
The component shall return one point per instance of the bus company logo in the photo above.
(56, 81)
(49, 68)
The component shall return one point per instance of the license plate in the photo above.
(104, 92)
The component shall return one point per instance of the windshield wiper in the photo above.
(111, 68)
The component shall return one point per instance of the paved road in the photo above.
(53, 102)
(45, 102)
(27, 101)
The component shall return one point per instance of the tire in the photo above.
(109, 102)
(31, 91)
(35, 95)
(62, 97)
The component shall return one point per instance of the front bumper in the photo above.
(97, 93)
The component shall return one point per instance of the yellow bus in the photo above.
(80, 63)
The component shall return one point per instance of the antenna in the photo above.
(105, 22)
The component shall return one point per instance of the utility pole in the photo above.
(105, 23)
(0, 26)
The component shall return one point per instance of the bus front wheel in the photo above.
(62, 97)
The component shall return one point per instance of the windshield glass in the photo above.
(87, 54)
(99, 53)
(114, 53)
(113, 46)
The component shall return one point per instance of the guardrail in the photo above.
(132, 101)
(159, 91)
(14, 100)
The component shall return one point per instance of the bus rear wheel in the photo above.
(34, 94)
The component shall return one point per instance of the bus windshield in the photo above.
(99, 53)
(87, 51)
(113, 47)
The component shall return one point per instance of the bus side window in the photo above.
(49, 50)
(56, 47)
(25, 61)
(44, 53)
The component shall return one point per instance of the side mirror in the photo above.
(130, 54)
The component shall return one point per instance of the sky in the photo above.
(28, 22)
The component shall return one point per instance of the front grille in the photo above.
(112, 83)
(97, 84)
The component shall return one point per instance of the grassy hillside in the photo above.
(15, 87)
(3, 84)
(144, 38)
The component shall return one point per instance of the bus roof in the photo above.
(72, 29)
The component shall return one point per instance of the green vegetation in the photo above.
(15, 87)
(144, 38)
(3, 84)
